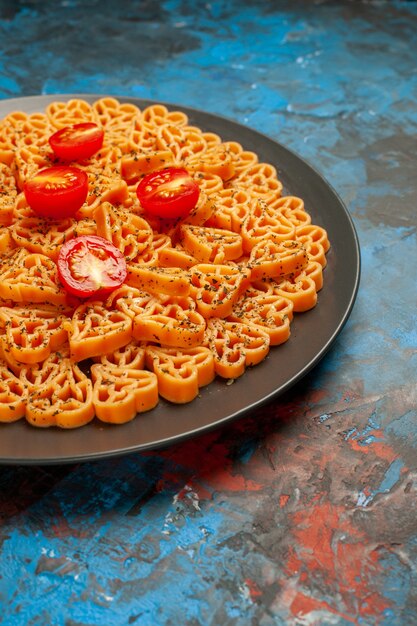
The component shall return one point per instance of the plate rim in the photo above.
(299, 375)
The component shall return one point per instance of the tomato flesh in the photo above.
(169, 193)
(77, 142)
(57, 192)
(91, 266)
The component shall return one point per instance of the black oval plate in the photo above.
(312, 333)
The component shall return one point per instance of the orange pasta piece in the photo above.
(200, 356)
(166, 280)
(86, 226)
(212, 140)
(209, 183)
(158, 114)
(119, 394)
(21, 208)
(8, 195)
(315, 241)
(13, 364)
(113, 115)
(26, 277)
(185, 142)
(138, 163)
(132, 301)
(6, 241)
(231, 209)
(65, 399)
(216, 288)
(265, 223)
(103, 188)
(242, 159)
(315, 252)
(12, 396)
(36, 374)
(262, 180)
(176, 257)
(174, 323)
(313, 233)
(235, 346)
(217, 161)
(180, 373)
(130, 233)
(211, 245)
(315, 271)
(74, 111)
(273, 259)
(142, 137)
(33, 130)
(202, 212)
(106, 160)
(292, 208)
(95, 330)
(31, 334)
(131, 356)
(301, 290)
(28, 160)
(272, 313)
(42, 236)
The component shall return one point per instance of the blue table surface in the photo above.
(303, 513)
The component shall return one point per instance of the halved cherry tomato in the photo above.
(168, 193)
(77, 142)
(57, 192)
(91, 266)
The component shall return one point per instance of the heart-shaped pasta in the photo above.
(243, 160)
(43, 236)
(272, 312)
(272, 259)
(235, 346)
(216, 288)
(292, 208)
(172, 323)
(119, 393)
(65, 399)
(316, 242)
(102, 187)
(73, 111)
(130, 233)
(157, 114)
(31, 334)
(12, 395)
(131, 356)
(216, 161)
(262, 180)
(180, 372)
(263, 223)
(8, 193)
(30, 277)
(232, 208)
(183, 141)
(95, 330)
(211, 245)
(301, 290)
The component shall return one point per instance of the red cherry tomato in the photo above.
(57, 192)
(168, 193)
(91, 266)
(77, 142)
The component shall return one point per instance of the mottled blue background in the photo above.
(305, 512)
